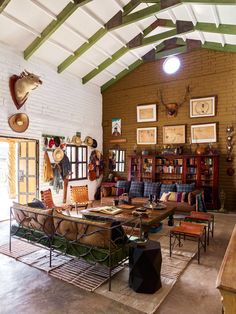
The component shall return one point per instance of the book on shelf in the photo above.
(108, 210)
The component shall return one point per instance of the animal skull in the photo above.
(172, 108)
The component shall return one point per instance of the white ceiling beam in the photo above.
(102, 51)
(20, 24)
(114, 36)
(88, 62)
(172, 15)
(118, 5)
(44, 9)
(202, 37)
(110, 74)
(75, 32)
(138, 28)
(216, 15)
(93, 17)
(122, 64)
(191, 13)
(59, 45)
(135, 54)
(222, 39)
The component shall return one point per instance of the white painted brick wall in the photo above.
(61, 106)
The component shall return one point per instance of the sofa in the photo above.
(103, 242)
(182, 196)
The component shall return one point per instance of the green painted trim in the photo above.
(53, 26)
(129, 7)
(139, 15)
(152, 39)
(171, 52)
(122, 74)
(3, 4)
(219, 47)
(211, 28)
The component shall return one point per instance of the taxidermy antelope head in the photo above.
(172, 108)
(24, 84)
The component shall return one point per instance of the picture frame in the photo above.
(174, 134)
(202, 107)
(147, 113)
(147, 136)
(116, 126)
(203, 133)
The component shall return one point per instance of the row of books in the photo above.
(169, 169)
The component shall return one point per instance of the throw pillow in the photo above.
(136, 189)
(124, 185)
(167, 188)
(165, 196)
(172, 197)
(180, 187)
(192, 196)
(36, 204)
(106, 191)
(152, 188)
(113, 191)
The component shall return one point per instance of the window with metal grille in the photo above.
(118, 159)
(78, 156)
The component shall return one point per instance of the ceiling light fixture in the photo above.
(171, 65)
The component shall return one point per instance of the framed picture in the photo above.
(202, 107)
(174, 134)
(146, 136)
(203, 133)
(116, 126)
(146, 113)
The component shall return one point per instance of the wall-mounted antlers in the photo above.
(172, 108)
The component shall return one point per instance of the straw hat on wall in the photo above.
(58, 154)
(19, 122)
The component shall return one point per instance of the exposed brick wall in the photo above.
(61, 106)
(208, 73)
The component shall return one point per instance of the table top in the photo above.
(226, 279)
(154, 215)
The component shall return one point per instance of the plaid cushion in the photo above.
(152, 188)
(123, 185)
(185, 187)
(136, 189)
(200, 204)
(167, 188)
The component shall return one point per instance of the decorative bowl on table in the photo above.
(155, 205)
(141, 242)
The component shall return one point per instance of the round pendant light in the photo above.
(171, 65)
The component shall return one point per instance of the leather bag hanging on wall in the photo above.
(48, 171)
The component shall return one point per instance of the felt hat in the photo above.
(19, 122)
(57, 141)
(58, 154)
(51, 143)
(88, 141)
(95, 144)
(76, 140)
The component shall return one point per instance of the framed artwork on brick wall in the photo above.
(202, 107)
(147, 136)
(146, 113)
(174, 134)
(203, 133)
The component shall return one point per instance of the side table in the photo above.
(145, 267)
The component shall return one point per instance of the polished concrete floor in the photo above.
(24, 289)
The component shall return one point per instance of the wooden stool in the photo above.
(190, 230)
(202, 217)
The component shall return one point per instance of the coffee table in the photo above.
(154, 216)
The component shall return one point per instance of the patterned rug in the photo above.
(92, 277)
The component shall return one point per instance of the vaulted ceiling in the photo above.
(101, 41)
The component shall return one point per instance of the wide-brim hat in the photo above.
(58, 154)
(19, 122)
(76, 140)
(57, 141)
(95, 144)
(88, 141)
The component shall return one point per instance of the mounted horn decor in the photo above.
(21, 86)
(172, 108)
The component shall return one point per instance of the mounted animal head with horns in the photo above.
(21, 86)
(172, 108)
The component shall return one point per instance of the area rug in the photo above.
(94, 278)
